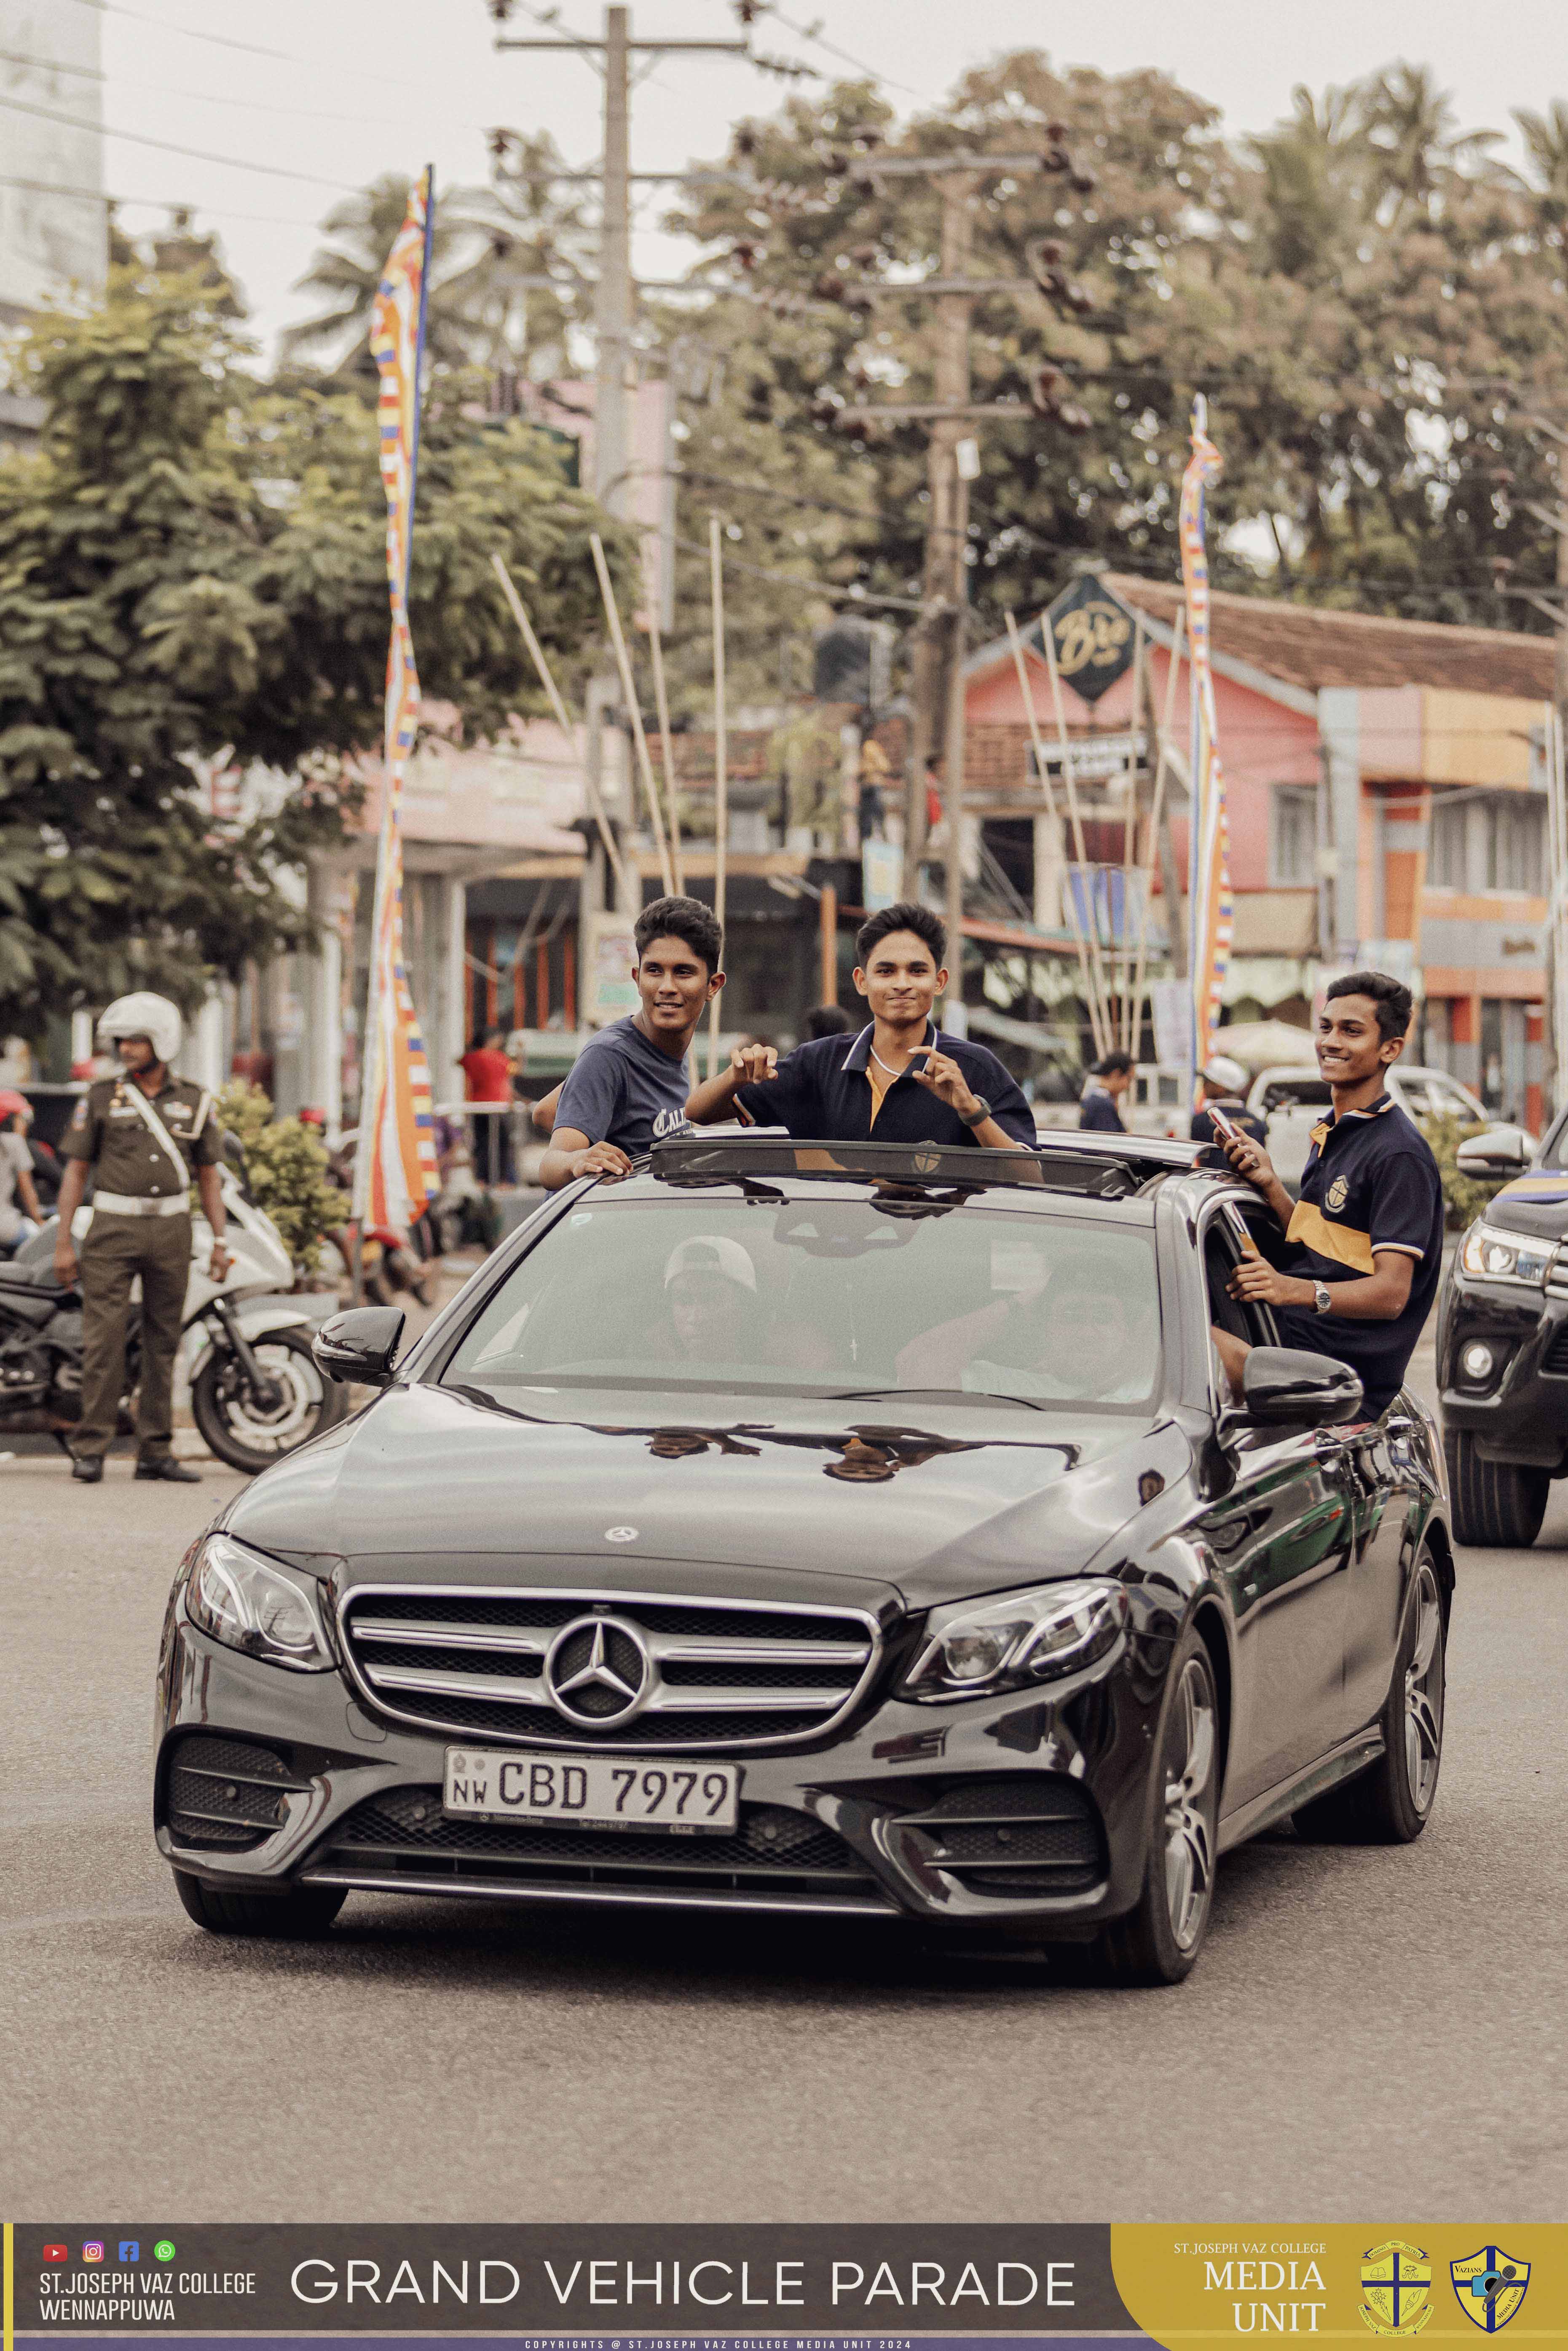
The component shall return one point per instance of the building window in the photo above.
(1515, 842)
(1446, 859)
(1295, 836)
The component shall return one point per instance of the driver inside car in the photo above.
(1074, 1337)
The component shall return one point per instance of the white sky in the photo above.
(368, 86)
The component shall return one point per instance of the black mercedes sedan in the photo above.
(832, 1531)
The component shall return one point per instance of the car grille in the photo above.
(721, 1674)
(403, 1830)
(226, 1793)
(1007, 1837)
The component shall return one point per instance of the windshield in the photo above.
(839, 1297)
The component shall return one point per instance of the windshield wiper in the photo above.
(969, 1396)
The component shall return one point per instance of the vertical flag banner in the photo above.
(1211, 910)
(394, 1167)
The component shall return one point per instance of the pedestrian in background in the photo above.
(486, 1069)
(1222, 1086)
(1109, 1080)
(20, 1215)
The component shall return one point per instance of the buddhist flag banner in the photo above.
(394, 1167)
(1210, 908)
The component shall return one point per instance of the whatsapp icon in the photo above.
(163, 2251)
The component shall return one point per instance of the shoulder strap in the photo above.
(161, 1133)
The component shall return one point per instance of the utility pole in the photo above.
(614, 370)
(936, 666)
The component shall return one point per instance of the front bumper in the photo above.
(1519, 1412)
(1027, 1813)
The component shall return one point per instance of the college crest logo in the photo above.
(1395, 2288)
(1490, 2285)
(1336, 1194)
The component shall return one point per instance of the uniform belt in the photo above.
(126, 1203)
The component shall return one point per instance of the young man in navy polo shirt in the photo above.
(900, 1081)
(1364, 1245)
(629, 1084)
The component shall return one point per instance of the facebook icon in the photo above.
(131, 2249)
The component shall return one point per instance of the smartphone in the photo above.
(1224, 1127)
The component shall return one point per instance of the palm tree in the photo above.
(1409, 123)
(1545, 137)
(347, 271)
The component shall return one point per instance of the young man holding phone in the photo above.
(1362, 1250)
(900, 1081)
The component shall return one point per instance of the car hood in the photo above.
(941, 1499)
(1536, 1204)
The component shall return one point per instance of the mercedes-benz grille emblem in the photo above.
(598, 1672)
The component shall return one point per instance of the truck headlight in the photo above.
(253, 1605)
(1493, 1255)
(1016, 1641)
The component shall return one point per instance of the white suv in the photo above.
(1291, 1101)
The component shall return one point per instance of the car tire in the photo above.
(1158, 1942)
(296, 1917)
(1392, 1802)
(1497, 1505)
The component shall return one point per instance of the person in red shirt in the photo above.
(487, 1076)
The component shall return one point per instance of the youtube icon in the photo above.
(57, 2253)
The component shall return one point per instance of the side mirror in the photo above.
(1289, 1387)
(360, 1346)
(1501, 1151)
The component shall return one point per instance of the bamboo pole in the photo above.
(662, 704)
(721, 765)
(1155, 811)
(1070, 786)
(623, 896)
(629, 688)
(1073, 924)
(1129, 841)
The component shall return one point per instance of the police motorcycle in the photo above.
(256, 1391)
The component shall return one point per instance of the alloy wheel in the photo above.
(1192, 1748)
(1424, 1694)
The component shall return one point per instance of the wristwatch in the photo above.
(1322, 1297)
(978, 1116)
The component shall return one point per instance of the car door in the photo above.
(1388, 1491)
(1282, 1534)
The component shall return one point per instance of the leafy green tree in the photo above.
(192, 567)
(287, 1168)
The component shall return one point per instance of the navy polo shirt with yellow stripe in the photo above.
(830, 1091)
(1370, 1182)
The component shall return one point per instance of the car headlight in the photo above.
(253, 1605)
(1493, 1255)
(1014, 1642)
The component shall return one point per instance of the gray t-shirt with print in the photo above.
(623, 1090)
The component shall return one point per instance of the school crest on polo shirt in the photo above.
(1336, 1195)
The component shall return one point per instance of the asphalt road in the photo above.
(1368, 2031)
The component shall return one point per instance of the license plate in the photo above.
(599, 1792)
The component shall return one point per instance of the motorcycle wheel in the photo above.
(237, 1431)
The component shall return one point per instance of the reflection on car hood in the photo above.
(935, 1497)
(1536, 1204)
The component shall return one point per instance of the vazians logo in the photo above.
(1491, 2285)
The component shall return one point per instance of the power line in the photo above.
(170, 147)
(814, 33)
(212, 98)
(164, 203)
(224, 41)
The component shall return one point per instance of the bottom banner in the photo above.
(738, 2287)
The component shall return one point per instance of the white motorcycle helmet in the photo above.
(142, 1014)
(1221, 1075)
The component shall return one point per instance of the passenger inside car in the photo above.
(1080, 1335)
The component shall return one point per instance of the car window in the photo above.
(823, 1297)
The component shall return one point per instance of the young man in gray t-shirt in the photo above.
(629, 1084)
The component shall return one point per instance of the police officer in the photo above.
(141, 1136)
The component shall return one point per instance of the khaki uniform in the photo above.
(128, 1162)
